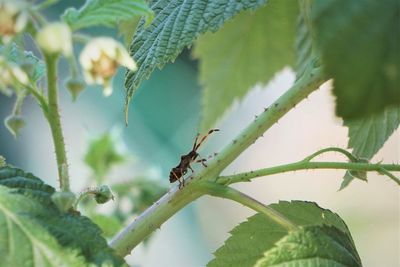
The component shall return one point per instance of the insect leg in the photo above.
(190, 167)
(202, 162)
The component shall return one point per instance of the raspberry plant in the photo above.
(354, 44)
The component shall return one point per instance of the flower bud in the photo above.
(103, 194)
(75, 86)
(55, 38)
(13, 19)
(63, 200)
(14, 124)
(100, 59)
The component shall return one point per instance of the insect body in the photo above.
(180, 170)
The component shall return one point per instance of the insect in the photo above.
(180, 170)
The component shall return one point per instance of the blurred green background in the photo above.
(163, 119)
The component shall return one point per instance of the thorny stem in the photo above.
(305, 165)
(350, 156)
(235, 195)
(386, 172)
(40, 99)
(54, 120)
(175, 199)
(153, 217)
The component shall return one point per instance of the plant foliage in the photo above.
(367, 135)
(359, 43)
(102, 154)
(106, 12)
(34, 67)
(259, 234)
(38, 229)
(25, 242)
(312, 246)
(248, 50)
(176, 25)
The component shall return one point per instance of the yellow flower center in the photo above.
(104, 66)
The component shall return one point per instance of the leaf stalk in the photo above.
(305, 165)
(227, 192)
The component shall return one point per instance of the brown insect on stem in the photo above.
(180, 170)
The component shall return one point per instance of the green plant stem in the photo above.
(174, 200)
(389, 174)
(40, 99)
(38, 19)
(152, 218)
(18, 103)
(221, 191)
(45, 4)
(305, 165)
(331, 149)
(54, 120)
(312, 78)
(73, 66)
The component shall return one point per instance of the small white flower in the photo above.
(55, 38)
(100, 59)
(13, 18)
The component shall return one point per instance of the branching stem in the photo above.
(305, 165)
(176, 199)
(350, 156)
(235, 195)
(40, 99)
(384, 170)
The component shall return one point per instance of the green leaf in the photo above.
(367, 135)
(33, 205)
(349, 176)
(176, 25)
(26, 60)
(26, 184)
(34, 67)
(305, 49)
(106, 12)
(312, 246)
(127, 28)
(248, 50)
(25, 242)
(102, 154)
(360, 43)
(249, 240)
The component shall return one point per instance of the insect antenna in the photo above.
(196, 146)
(195, 141)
